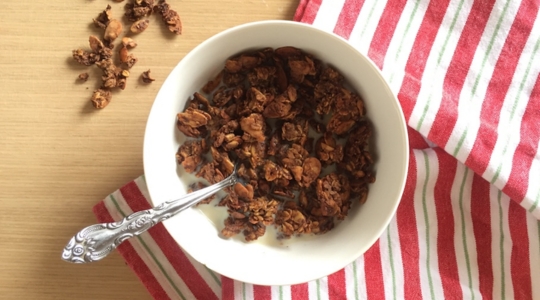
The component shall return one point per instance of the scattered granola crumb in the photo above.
(83, 77)
(85, 57)
(146, 77)
(101, 49)
(138, 9)
(170, 17)
(101, 98)
(103, 18)
(139, 26)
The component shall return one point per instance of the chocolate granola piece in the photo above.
(170, 17)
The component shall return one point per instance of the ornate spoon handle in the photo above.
(96, 241)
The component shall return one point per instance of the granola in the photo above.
(146, 77)
(101, 49)
(299, 135)
(139, 26)
(170, 17)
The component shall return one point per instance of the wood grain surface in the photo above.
(58, 155)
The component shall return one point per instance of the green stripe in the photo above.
(501, 246)
(514, 106)
(368, 19)
(143, 179)
(538, 229)
(448, 35)
(404, 35)
(355, 280)
(216, 278)
(391, 262)
(463, 233)
(280, 292)
(426, 220)
(481, 72)
(244, 290)
(536, 201)
(149, 251)
(318, 290)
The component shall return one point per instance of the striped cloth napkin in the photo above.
(467, 226)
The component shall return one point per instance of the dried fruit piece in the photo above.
(128, 42)
(146, 78)
(95, 43)
(113, 30)
(127, 58)
(139, 26)
(101, 98)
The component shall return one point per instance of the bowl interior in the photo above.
(269, 262)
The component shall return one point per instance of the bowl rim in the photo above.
(395, 102)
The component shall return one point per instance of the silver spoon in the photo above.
(95, 242)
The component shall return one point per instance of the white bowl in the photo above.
(268, 262)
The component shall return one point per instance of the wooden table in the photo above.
(58, 155)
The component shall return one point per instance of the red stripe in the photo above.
(310, 11)
(481, 221)
(348, 17)
(408, 235)
(418, 57)
(261, 292)
(300, 10)
(373, 271)
(227, 288)
(457, 71)
(498, 86)
(445, 219)
(168, 245)
(336, 286)
(519, 260)
(416, 140)
(385, 31)
(518, 182)
(131, 257)
(299, 291)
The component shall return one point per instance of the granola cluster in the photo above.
(115, 74)
(298, 135)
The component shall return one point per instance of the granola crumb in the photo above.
(101, 98)
(83, 77)
(103, 18)
(170, 17)
(146, 77)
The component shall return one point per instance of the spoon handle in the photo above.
(96, 241)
